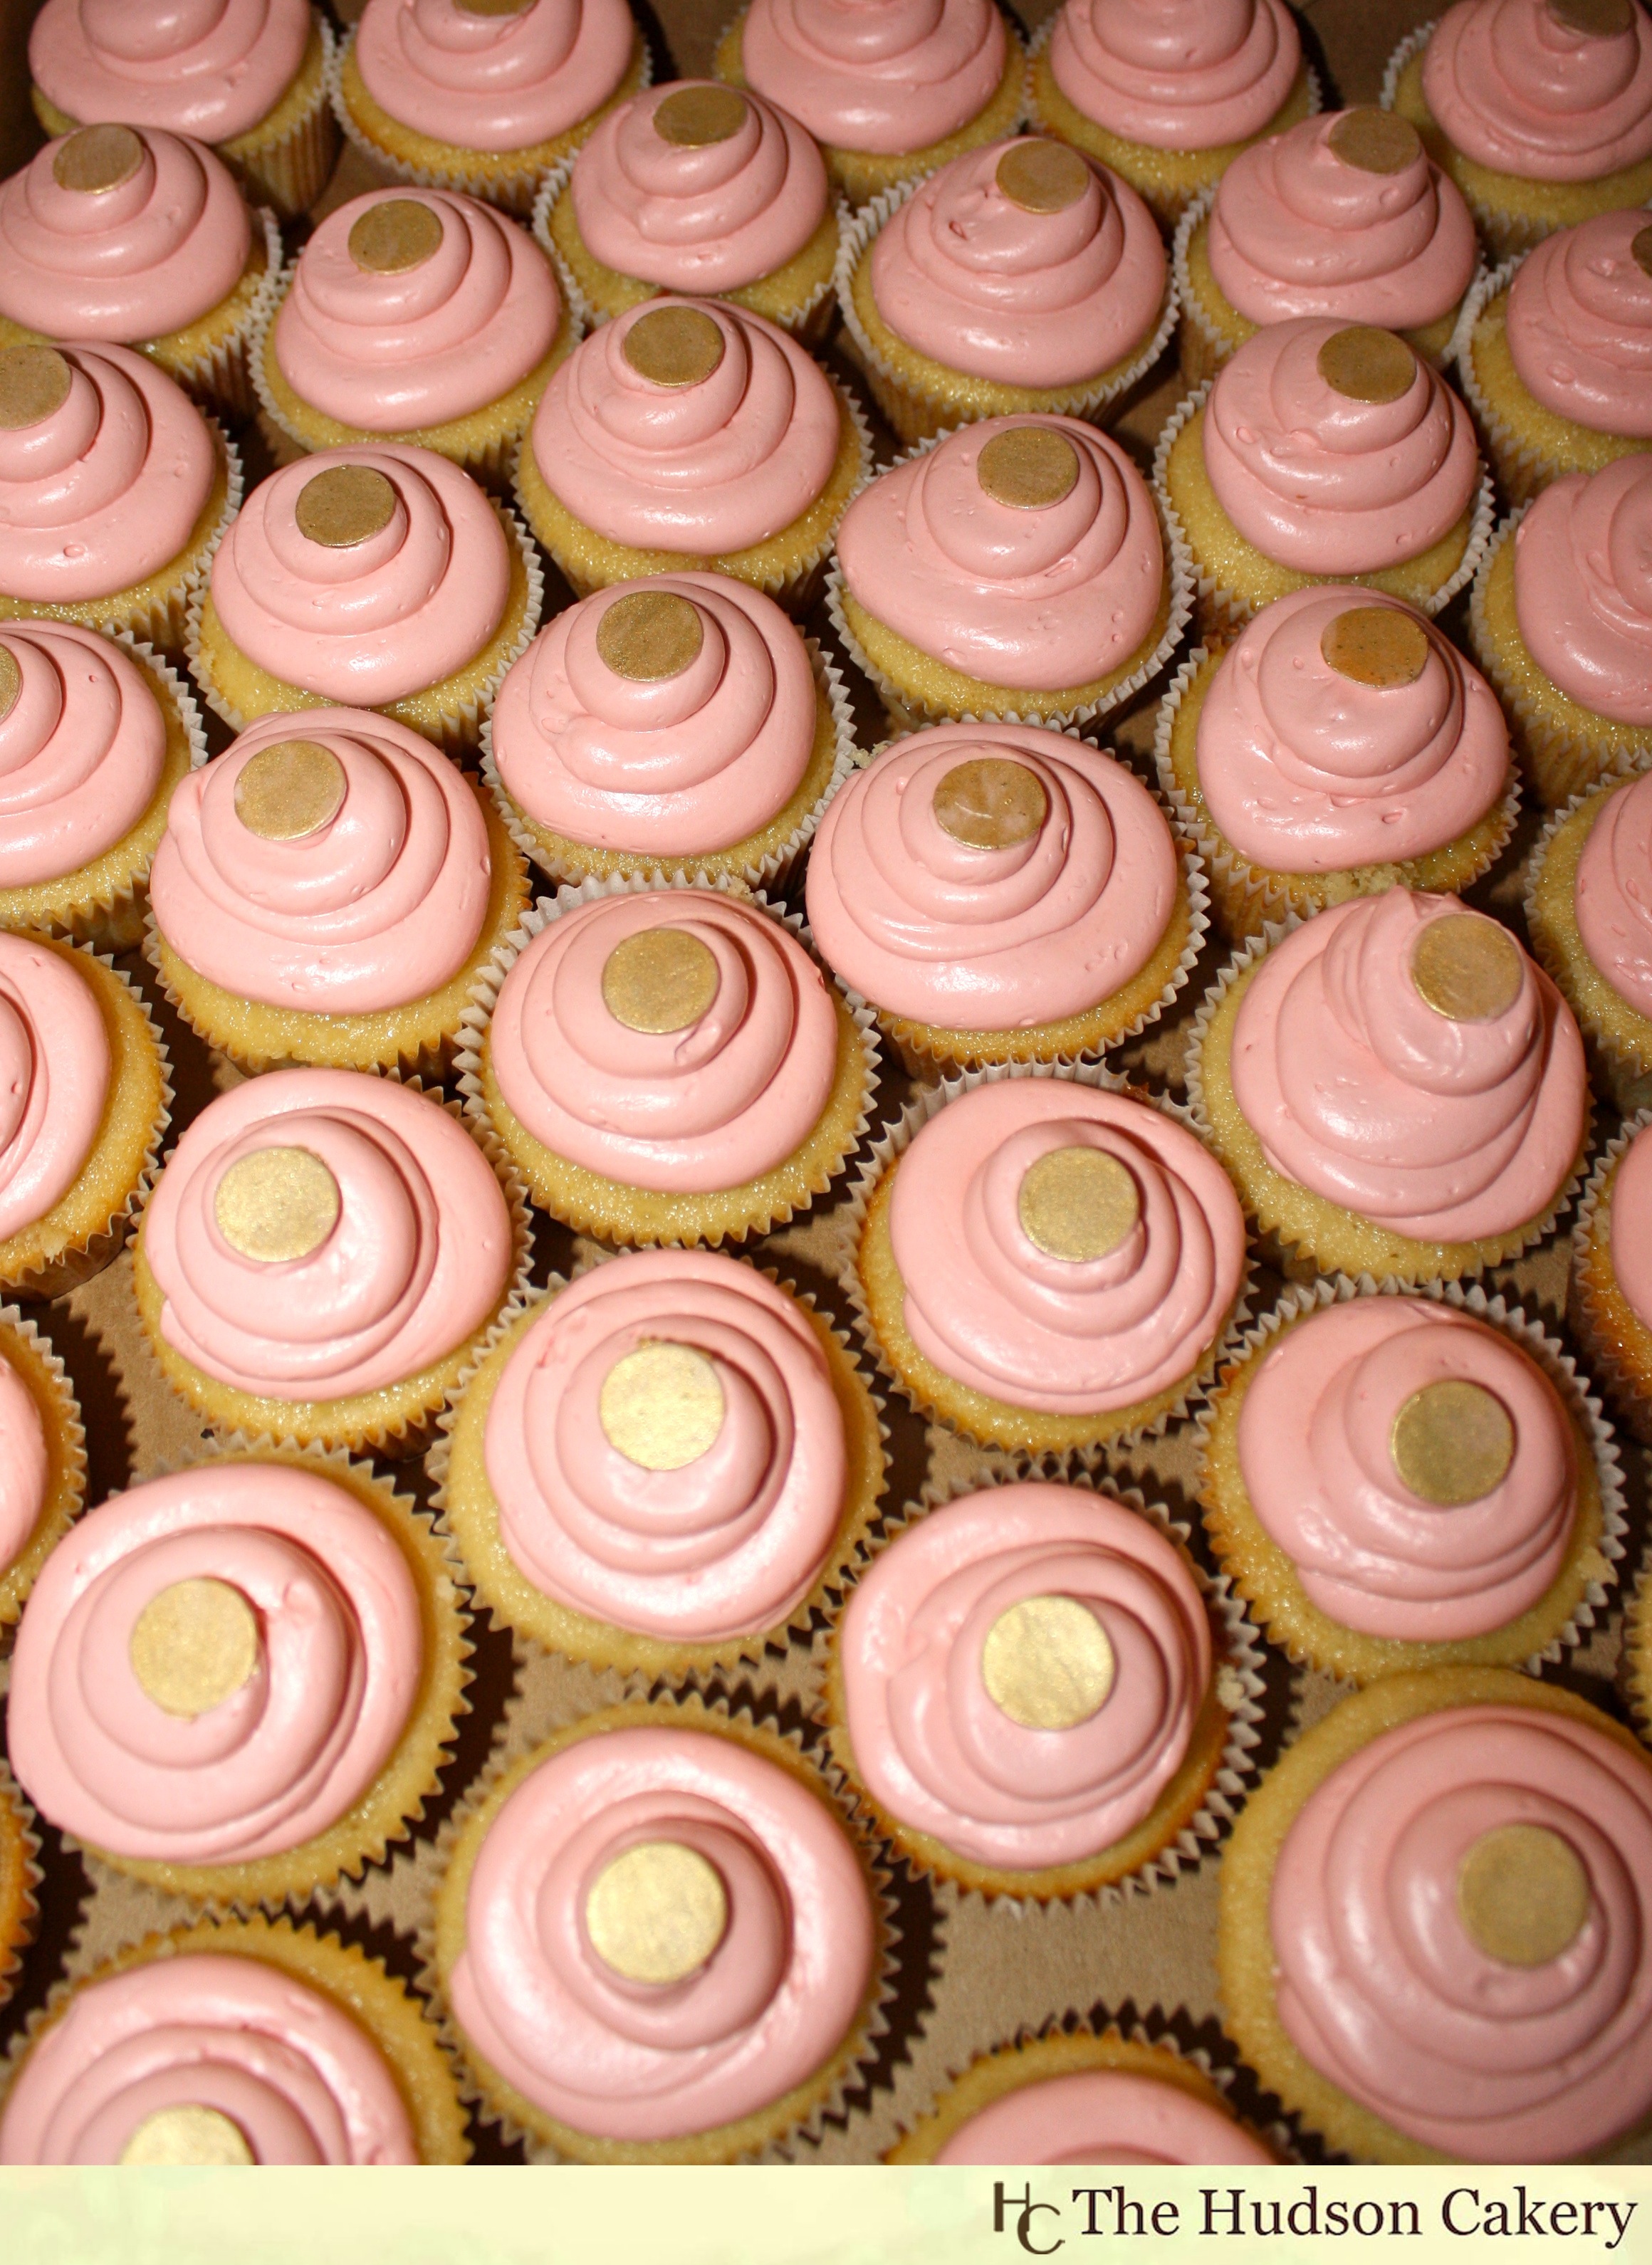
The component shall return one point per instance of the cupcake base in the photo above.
(1620, 1038)
(30, 1358)
(1616, 1342)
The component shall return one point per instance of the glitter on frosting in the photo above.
(53, 1078)
(1102, 2116)
(494, 81)
(890, 77)
(1613, 895)
(82, 748)
(1582, 587)
(1516, 88)
(1631, 1225)
(24, 1465)
(212, 68)
(1176, 74)
(1579, 327)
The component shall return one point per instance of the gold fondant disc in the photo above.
(295, 788)
(1077, 1204)
(1043, 177)
(991, 803)
(1375, 140)
(1029, 468)
(657, 1912)
(276, 1204)
(394, 236)
(661, 1406)
(194, 1645)
(1047, 1664)
(345, 504)
(659, 979)
(1452, 1443)
(673, 346)
(1522, 1894)
(696, 116)
(1467, 968)
(11, 679)
(1641, 249)
(1597, 19)
(34, 381)
(1377, 645)
(648, 635)
(187, 2135)
(97, 157)
(1365, 364)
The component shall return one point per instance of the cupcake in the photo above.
(485, 98)
(250, 80)
(322, 1257)
(1325, 452)
(1167, 92)
(1436, 1921)
(1539, 110)
(1346, 215)
(1556, 354)
(95, 733)
(1395, 1482)
(1016, 569)
(698, 188)
(667, 1064)
(143, 238)
(43, 1463)
(679, 725)
(1561, 621)
(1340, 747)
(1046, 1263)
(889, 95)
(1589, 913)
(366, 576)
(236, 2041)
(657, 1941)
(113, 491)
(423, 318)
(332, 899)
(691, 435)
(664, 1466)
(980, 881)
(19, 1877)
(1396, 1089)
(1019, 277)
(1610, 1304)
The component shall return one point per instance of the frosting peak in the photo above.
(1582, 587)
(1520, 86)
(1176, 74)
(211, 68)
(490, 80)
(882, 76)
(82, 744)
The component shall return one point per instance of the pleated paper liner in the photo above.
(1616, 1342)
(1636, 1669)
(1619, 1037)
(1261, 1568)
(33, 1360)
(21, 1877)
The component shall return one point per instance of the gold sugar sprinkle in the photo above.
(293, 789)
(661, 1406)
(276, 1204)
(659, 979)
(1522, 1894)
(1077, 1204)
(1467, 968)
(648, 635)
(1452, 1442)
(1047, 1664)
(194, 1645)
(657, 1912)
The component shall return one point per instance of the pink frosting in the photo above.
(81, 749)
(930, 1741)
(207, 67)
(685, 1112)
(53, 1078)
(1515, 88)
(642, 2061)
(698, 219)
(1582, 587)
(367, 622)
(25, 1468)
(298, 2078)
(884, 75)
(1102, 2116)
(279, 1761)
(1316, 1446)
(1058, 595)
(493, 82)
(991, 939)
(419, 1257)
(1176, 74)
(726, 1544)
(1324, 484)
(973, 280)
(1631, 1216)
(1613, 898)
(106, 490)
(1295, 230)
(1306, 771)
(1580, 327)
(986, 1305)
(673, 766)
(381, 906)
(393, 353)
(1359, 1089)
(1382, 1988)
(712, 467)
(148, 255)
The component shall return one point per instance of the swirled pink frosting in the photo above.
(1515, 88)
(81, 749)
(1176, 74)
(53, 1078)
(298, 2078)
(731, 1542)
(882, 76)
(1631, 1221)
(294, 1748)
(630, 2060)
(211, 68)
(148, 255)
(934, 1747)
(1306, 770)
(707, 218)
(393, 353)
(1382, 1988)
(1582, 587)
(713, 467)
(674, 765)
(25, 1469)
(1295, 231)
(1579, 327)
(685, 1111)
(367, 622)
(1359, 1089)
(1613, 893)
(991, 939)
(104, 491)
(490, 81)
(419, 1257)
(1102, 2116)
(986, 1305)
(975, 280)
(1324, 484)
(381, 906)
(1059, 595)
(1316, 1447)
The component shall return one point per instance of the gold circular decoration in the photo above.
(276, 1204)
(1046, 1664)
(1365, 364)
(1641, 250)
(696, 116)
(1029, 468)
(1452, 1442)
(991, 803)
(649, 635)
(194, 1645)
(34, 382)
(661, 1406)
(1467, 968)
(394, 236)
(1043, 177)
(202, 2139)
(1077, 1204)
(345, 504)
(1377, 645)
(96, 157)
(1595, 19)
(659, 979)
(1375, 140)
(295, 788)
(1522, 1894)
(673, 346)
(11, 680)
(657, 1912)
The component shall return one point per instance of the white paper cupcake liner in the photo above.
(1626, 1067)
(292, 171)
(11, 1953)
(221, 378)
(1412, 43)
(1594, 1328)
